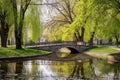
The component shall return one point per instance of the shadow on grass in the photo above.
(114, 58)
(115, 54)
(93, 47)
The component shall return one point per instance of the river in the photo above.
(83, 69)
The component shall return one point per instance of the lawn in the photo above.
(104, 49)
(5, 52)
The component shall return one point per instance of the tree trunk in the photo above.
(117, 41)
(18, 40)
(82, 34)
(19, 21)
(91, 39)
(110, 41)
(18, 32)
(75, 37)
(4, 33)
(78, 37)
(101, 42)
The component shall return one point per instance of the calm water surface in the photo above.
(83, 69)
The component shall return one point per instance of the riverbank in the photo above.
(106, 52)
(9, 52)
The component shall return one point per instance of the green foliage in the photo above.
(32, 24)
(83, 18)
(6, 8)
(35, 23)
(114, 25)
(59, 33)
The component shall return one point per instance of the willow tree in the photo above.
(64, 16)
(32, 25)
(96, 14)
(110, 9)
(83, 13)
(6, 20)
(19, 13)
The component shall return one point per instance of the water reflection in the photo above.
(87, 69)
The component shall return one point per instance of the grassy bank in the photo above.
(5, 52)
(104, 49)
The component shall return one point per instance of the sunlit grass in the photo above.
(22, 52)
(104, 49)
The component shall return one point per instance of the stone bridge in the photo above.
(55, 46)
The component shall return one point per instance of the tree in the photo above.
(19, 19)
(94, 15)
(82, 16)
(5, 20)
(63, 17)
(110, 10)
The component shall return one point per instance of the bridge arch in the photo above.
(71, 50)
(53, 47)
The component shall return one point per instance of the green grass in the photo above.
(104, 49)
(5, 52)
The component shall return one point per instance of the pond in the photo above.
(82, 69)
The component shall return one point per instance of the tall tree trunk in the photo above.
(117, 41)
(19, 23)
(91, 39)
(79, 37)
(110, 41)
(82, 34)
(101, 42)
(18, 40)
(4, 33)
(18, 31)
(75, 37)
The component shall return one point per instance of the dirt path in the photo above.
(115, 48)
(111, 59)
(97, 54)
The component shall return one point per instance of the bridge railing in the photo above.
(55, 43)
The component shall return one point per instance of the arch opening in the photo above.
(70, 50)
(73, 50)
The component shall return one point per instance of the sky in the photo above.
(47, 11)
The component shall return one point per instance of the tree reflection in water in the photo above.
(117, 72)
(78, 71)
(88, 69)
(3, 70)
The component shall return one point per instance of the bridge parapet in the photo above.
(55, 43)
(54, 46)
